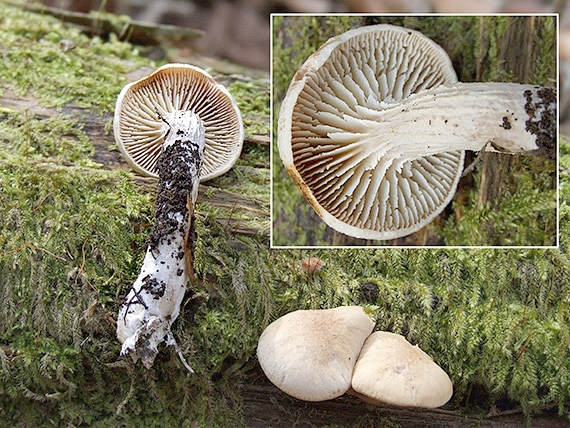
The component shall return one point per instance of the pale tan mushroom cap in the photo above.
(310, 354)
(392, 371)
(140, 133)
(357, 181)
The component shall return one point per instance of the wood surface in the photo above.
(265, 406)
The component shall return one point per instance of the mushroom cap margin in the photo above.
(391, 370)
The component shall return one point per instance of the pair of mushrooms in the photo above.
(374, 127)
(317, 355)
(179, 125)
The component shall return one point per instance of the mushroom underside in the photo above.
(374, 127)
(140, 130)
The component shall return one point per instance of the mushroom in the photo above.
(153, 303)
(374, 126)
(310, 354)
(391, 370)
(177, 87)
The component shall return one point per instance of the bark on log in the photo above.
(268, 407)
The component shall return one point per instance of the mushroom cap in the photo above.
(140, 132)
(310, 354)
(356, 181)
(390, 370)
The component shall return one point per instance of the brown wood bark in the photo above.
(265, 406)
(521, 62)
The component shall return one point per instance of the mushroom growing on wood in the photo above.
(180, 145)
(374, 127)
(310, 354)
(391, 370)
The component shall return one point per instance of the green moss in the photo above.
(58, 64)
(496, 319)
(524, 215)
(66, 248)
(564, 190)
(545, 38)
(59, 138)
(253, 100)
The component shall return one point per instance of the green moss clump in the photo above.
(59, 138)
(58, 64)
(496, 320)
(253, 101)
(66, 248)
(564, 193)
(525, 214)
(545, 73)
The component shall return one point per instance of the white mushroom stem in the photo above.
(153, 302)
(503, 117)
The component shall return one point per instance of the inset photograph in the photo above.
(414, 131)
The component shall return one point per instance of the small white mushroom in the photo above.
(374, 127)
(391, 370)
(310, 354)
(139, 132)
(179, 146)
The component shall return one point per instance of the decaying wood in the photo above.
(495, 166)
(268, 407)
(99, 131)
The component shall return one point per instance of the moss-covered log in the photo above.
(95, 128)
(75, 222)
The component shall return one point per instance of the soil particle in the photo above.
(153, 286)
(177, 168)
(368, 292)
(506, 124)
(541, 111)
